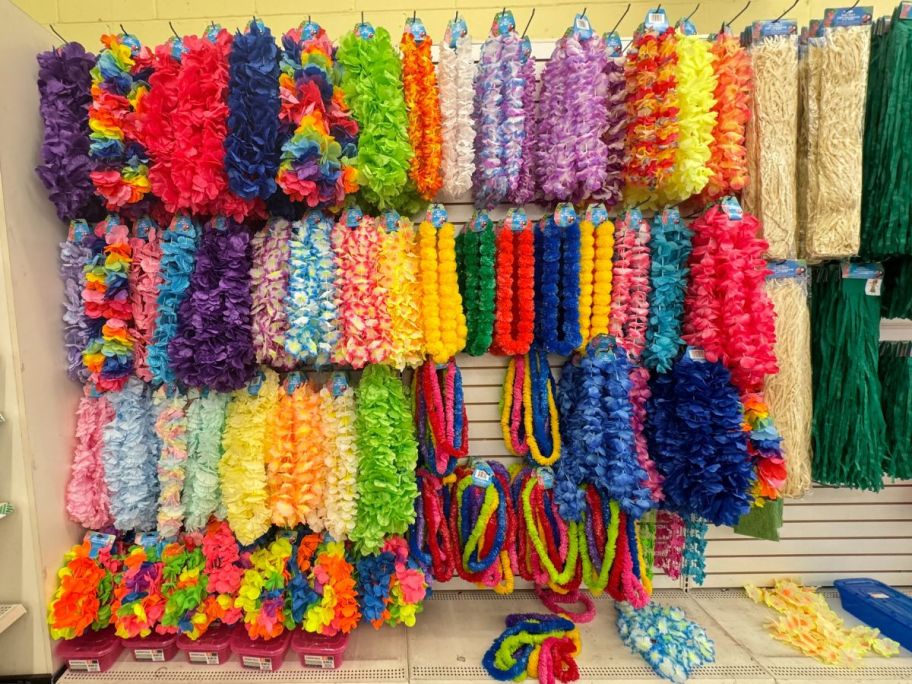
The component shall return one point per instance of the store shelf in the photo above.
(9, 613)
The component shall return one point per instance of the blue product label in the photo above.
(177, 47)
(480, 221)
(391, 220)
(695, 354)
(352, 216)
(293, 381)
(601, 344)
(131, 42)
(732, 208)
(212, 32)
(220, 223)
(516, 219)
(788, 268)
(482, 474)
(147, 539)
(416, 28)
(183, 224)
(686, 26)
(545, 476)
(848, 16)
(437, 215)
(582, 29)
(79, 231)
(338, 383)
(564, 214)
(256, 383)
(905, 10)
(143, 226)
(596, 214)
(671, 215)
(504, 23)
(98, 542)
(364, 31)
(634, 217)
(456, 29)
(656, 20)
(861, 270)
(614, 44)
(769, 29)
(525, 47)
(309, 30)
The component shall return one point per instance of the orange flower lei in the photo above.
(419, 83)
(83, 592)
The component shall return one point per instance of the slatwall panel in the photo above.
(828, 534)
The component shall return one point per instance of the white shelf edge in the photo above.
(9, 613)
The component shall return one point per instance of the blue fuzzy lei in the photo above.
(557, 286)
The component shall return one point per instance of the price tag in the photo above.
(696, 354)
(564, 215)
(482, 474)
(545, 476)
(732, 208)
(255, 663)
(872, 287)
(437, 215)
(98, 542)
(516, 219)
(656, 20)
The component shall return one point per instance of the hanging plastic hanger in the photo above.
(732, 20)
(57, 33)
(629, 5)
(528, 24)
(687, 18)
(788, 9)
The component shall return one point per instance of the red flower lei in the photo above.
(515, 304)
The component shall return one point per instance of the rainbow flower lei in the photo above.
(138, 601)
(82, 599)
(332, 577)
(261, 595)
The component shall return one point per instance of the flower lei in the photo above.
(431, 544)
(540, 417)
(514, 322)
(596, 252)
(557, 285)
(309, 472)
(441, 421)
(130, 455)
(74, 255)
(387, 454)
(728, 154)
(671, 645)
(539, 646)
(670, 247)
(455, 71)
(87, 498)
(154, 125)
(669, 543)
(696, 438)
(213, 345)
(693, 564)
(109, 355)
(121, 174)
(652, 111)
(64, 86)
(269, 278)
(183, 587)
(171, 428)
(82, 598)
(526, 190)
(138, 602)
(144, 281)
(361, 294)
(242, 471)
(764, 445)
(512, 425)
(614, 136)
(476, 248)
(299, 594)
(391, 586)
(419, 86)
(310, 300)
(336, 610)
(337, 406)
(262, 592)
(726, 309)
(399, 265)
(178, 246)
(571, 156)
(630, 283)
(317, 162)
(201, 494)
(224, 572)
(281, 454)
(442, 315)
(251, 142)
(371, 81)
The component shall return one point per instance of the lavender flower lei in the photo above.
(571, 156)
(77, 327)
(269, 278)
(615, 132)
(525, 189)
(214, 343)
(488, 178)
(64, 86)
(252, 143)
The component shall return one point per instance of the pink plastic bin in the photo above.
(316, 650)
(92, 652)
(155, 648)
(213, 648)
(260, 654)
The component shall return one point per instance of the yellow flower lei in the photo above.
(399, 264)
(443, 318)
(534, 450)
(601, 287)
(586, 278)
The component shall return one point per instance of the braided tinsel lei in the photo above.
(171, 428)
(455, 72)
(475, 247)
(597, 427)
(538, 646)
(361, 294)
(310, 301)
(202, 495)
(121, 174)
(74, 254)
(652, 110)
(570, 152)
(670, 250)
(557, 284)
(399, 264)
(696, 438)
(251, 144)
(319, 152)
(106, 301)
(269, 279)
(87, 499)
(614, 136)
(387, 455)
(371, 81)
(419, 86)
(213, 346)
(178, 246)
(64, 88)
(130, 453)
(144, 282)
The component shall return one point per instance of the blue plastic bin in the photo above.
(878, 605)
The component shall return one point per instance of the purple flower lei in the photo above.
(77, 327)
(615, 132)
(488, 178)
(525, 190)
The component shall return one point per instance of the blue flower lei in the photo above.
(178, 246)
(373, 576)
(671, 245)
(557, 286)
(568, 473)
(299, 595)
(694, 557)
(696, 438)
(251, 145)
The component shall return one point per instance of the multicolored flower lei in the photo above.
(82, 599)
(419, 85)
(138, 601)
(261, 595)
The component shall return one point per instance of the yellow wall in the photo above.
(85, 20)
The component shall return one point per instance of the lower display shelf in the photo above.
(456, 627)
